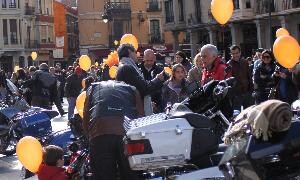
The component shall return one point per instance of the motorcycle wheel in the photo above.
(8, 145)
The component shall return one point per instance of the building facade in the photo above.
(25, 26)
(66, 33)
(248, 27)
(143, 18)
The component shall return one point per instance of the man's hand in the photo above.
(160, 76)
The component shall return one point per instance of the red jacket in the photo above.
(51, 173)
(217, 72)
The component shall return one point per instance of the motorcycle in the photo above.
(185, 138)
(253, 158)
(18, 119)
(73, 143)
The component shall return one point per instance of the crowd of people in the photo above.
(143, 88)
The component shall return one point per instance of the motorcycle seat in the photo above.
(194, 119)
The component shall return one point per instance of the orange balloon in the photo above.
(168, 70)
(80, 103)
(85, 62)
(113, 72)
(130, 39)
(112, 59)
(281, 32)
(222, 10)
(30, 153)
(83, 83)
(286, 51)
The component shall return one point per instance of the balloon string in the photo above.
(223, 39)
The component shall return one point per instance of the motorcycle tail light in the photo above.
(70, 170)
(135, 147)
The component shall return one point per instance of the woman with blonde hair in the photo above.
(195, 74)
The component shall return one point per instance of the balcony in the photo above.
(154, 6)
(12, 5)
(240, 14)
(119, 10)
(29, 10)
(155, 39)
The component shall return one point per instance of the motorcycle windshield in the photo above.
(13, 88)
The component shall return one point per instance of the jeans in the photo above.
(71, 107)
(107, 157)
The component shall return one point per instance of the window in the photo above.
(13, 31)
(154, 31)
(20, 31)
(12, 4)
(236, 4)
(4, 4)
(43, 34)
(181, 10)
(153, 5)
(50, 34)
(198, 10)
(5, 33)
(118, 29)
(248, 4)
(169, 11)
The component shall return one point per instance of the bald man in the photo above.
(150, 70)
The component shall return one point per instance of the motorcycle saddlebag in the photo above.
(34, 123)
(166, 142)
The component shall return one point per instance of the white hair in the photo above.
(148, 51)
(211, 48)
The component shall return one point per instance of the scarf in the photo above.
(263, 119)
(147, 98)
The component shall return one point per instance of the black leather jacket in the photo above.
(109, 98)
(106, 104)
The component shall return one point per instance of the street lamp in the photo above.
(105, 18)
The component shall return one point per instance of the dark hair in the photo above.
(174, 70)
(2, 78)
(270, 53)
(234, 47)
(260, 50)
(181, 54)
(249, 59)
(88, 81)
(184, 59)
(21, 74)
(123, 50)
(32, 69)
(52, 154)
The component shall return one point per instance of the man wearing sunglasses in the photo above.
(241, 71)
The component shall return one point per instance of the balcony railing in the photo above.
(153, 6)
(29, 10)
(118, 9)
(12, 5)
(276, 6)
(169, 19)
(154, 38)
